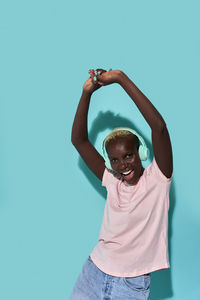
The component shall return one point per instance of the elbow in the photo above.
(161, 127)
(77, 138)
(74, 140)
(77, 142)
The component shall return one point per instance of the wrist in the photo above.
(121, 77)
(87, 93)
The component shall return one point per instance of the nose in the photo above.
(122, 165)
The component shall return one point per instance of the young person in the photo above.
(133, 240)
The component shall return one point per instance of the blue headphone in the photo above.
(143, 151)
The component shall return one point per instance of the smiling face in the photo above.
(124, 158)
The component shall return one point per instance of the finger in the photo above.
(94, 78)
(91, 72)
(99, 76)
(100, 71)
(92, 75)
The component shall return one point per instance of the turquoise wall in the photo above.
(51, 205)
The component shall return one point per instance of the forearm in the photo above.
(79, 128)
(149, 112)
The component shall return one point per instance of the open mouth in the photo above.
(128, 175)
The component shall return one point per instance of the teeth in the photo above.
(126, 173)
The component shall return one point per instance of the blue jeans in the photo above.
(93, 284)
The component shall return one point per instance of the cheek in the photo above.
(114, 166)
(136, 161)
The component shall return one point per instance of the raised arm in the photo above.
(79, 136)
(160, 135)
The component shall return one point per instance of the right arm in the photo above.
(79, 136)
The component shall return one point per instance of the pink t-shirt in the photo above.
(133, 239)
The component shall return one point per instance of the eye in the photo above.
(113, 160)
(129, 155)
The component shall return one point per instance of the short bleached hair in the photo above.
(120, 133)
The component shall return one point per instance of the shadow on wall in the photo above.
(161, 283)
(161, 286)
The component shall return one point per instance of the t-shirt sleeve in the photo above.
(158, 173)
(107, 178)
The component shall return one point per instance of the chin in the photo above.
(133, 181)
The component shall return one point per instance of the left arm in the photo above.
(160, 135)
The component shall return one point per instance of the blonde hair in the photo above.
(120, 133)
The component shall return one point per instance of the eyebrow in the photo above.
(127, 153)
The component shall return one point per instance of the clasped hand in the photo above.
(100, 77)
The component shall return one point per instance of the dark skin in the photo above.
(160, 135)
(124, 157)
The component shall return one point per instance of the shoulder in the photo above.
(153, 170)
